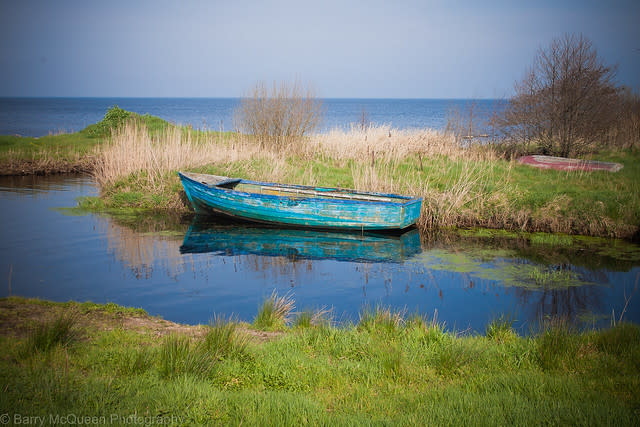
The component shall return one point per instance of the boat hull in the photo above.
(308, 207)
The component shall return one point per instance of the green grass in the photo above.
(388, 372)
(62, 146)
(222, 339)
(313, 318)
(80, 307)
(179, 357)
(44, 336)
(500, 329)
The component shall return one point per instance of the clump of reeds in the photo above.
(429, 330)
(46, 335)
(556, 343)
(501, 329)
(383, 142)
(137, 361)
(223, 340)
(275, 312)
(382, 319)
(132, 149)
(179, 356)
(313, 318)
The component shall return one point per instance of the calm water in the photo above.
(41, 116)
(187, 272)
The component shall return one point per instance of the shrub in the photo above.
(113, 119)
(279, 116)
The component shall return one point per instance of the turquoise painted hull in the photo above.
(299, 206)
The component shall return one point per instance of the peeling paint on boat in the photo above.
(300, 206)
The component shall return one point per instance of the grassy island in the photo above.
(290, 368)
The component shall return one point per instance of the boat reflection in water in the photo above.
(231, 238)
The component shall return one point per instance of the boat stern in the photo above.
(411, 212)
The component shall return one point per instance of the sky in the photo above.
(340, 48)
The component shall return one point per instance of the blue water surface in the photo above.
(42, 116)
(62, 255)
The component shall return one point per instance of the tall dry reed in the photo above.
(132, 149)
(452, 178)
(373, 142)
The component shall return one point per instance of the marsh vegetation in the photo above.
(461, 186)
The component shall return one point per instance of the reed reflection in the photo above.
(570, 303)
(143, 248)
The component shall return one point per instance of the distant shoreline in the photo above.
(41, 116)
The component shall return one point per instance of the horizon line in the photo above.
(235, 97)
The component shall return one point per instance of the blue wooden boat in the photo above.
(298, 205)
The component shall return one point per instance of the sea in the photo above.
(43, 116)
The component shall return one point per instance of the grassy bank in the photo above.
(64, 153)
(67, 152)
(109, 361)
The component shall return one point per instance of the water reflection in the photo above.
(142, 246)
(577, 302)
(33, 185)
(245, 239)
(466, 277)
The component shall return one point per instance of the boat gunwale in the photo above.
(403, 200)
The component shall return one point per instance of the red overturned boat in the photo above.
(565, 164)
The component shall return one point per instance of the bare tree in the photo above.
(567, 100)
(625, 133)
(280, 115)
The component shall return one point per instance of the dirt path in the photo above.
(18, 316)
